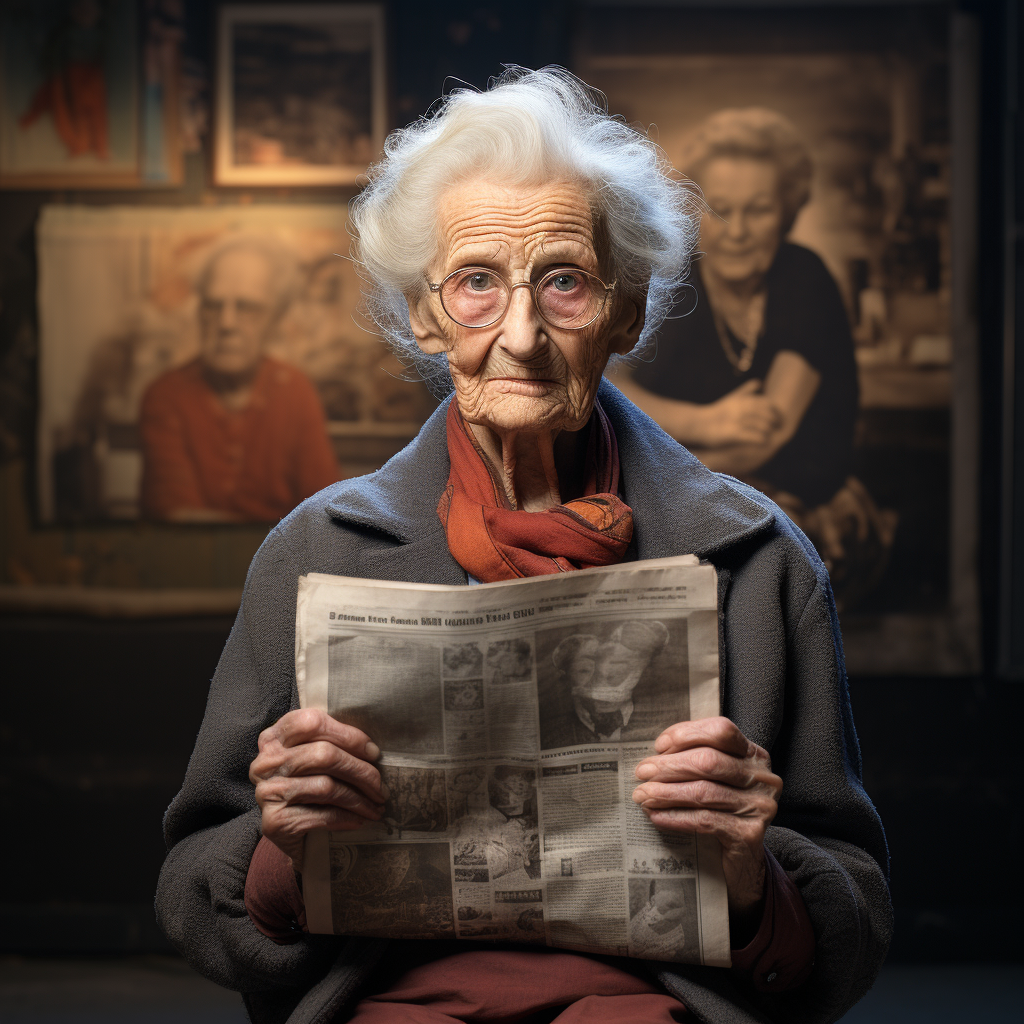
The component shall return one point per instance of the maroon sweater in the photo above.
(777, 959)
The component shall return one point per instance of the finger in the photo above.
(720, 733)
(309, 725)
(320, 758)
(704, 763)
(731, 831)
(295, 822)
(316, 790)
(748, 387)
(750, 803)
(753, 433)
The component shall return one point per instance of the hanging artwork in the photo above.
(207, 364)
(82, 105)
(819, 349)
(300, 93)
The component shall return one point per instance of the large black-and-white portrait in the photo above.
(611, 681)
(815, 350)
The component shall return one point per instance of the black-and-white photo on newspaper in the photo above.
(623, 681)
(511, 718)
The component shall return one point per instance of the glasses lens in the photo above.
(474, 297)
(570, 298)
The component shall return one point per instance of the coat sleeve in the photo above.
(786, 688)
(827, 835)
(213, 825)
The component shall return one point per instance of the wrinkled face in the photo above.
(742, 234)
(520, 374)
(618, 670)
(236, 313)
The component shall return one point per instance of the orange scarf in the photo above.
(493, 541)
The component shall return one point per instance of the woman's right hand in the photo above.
(312, 772)
(743, 416)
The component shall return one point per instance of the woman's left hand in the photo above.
(707, 777)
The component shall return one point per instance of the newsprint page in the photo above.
(511, 717)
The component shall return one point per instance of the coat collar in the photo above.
(679, 506)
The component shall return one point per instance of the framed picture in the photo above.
(137, 301)
(865, 105)
(88, 95)
(301, 94)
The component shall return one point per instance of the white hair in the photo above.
(528, 127)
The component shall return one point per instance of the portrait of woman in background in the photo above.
(755, 370)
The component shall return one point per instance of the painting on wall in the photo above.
(812, 351)
(82, 103)
(207, 364)
(301, 94)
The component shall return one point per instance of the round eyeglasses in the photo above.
(566, 297)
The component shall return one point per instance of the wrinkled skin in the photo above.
(707, 777)
(524, 387)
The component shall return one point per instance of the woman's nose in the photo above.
(736, 226)
(522, 330)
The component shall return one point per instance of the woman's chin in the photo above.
(512, 412)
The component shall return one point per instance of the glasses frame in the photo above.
(437, 289)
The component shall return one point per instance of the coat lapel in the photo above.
(679, 506)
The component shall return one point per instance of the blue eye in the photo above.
(565, 282)
(479, 282)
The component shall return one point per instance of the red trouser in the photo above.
(519, 987)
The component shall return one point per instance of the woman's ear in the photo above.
(425, 326)
(628, 324)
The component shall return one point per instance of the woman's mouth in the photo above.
(532, 387)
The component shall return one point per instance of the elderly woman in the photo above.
(759, 379)
(521, 237)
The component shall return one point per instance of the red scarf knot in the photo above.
(492, 541)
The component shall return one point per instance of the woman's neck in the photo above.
(535, 470)
(738, 290)
(740, 303)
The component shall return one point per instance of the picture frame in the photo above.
(89, 96)
(321, 117)
(890, 217)
(120, 308)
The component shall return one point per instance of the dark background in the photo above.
(100, 715)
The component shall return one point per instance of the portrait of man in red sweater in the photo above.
(235, 435)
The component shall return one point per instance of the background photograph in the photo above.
(301, 93)
(875, 124)
(122, 293)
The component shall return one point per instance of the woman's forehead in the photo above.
(506, 220)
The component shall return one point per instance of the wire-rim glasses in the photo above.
(566, 297)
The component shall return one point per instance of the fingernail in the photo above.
(646, 771)
(372, 751)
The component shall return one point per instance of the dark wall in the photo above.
(101, 715)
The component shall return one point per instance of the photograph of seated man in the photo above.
(235, 435)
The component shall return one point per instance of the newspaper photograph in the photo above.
(511, 717)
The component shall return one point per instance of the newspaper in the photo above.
(511, 717)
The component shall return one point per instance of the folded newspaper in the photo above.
(511, 717)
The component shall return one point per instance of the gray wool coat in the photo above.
(784, 684)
